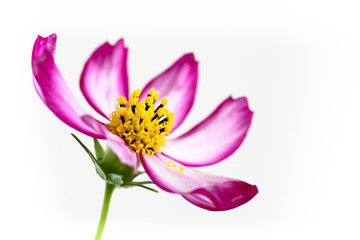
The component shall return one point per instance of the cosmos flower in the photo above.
(138, 127)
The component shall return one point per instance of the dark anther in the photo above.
(146, 107)
(164, 120)
(162, 130)
(133, 108)
(145, 130)
(141, 120)
(154, 117)
(151, 149)
(133, 141)
(122, 105)
(122, 119)
(160, 106)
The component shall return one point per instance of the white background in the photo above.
(296, 61)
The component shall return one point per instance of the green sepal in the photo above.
(85, 148)
(110, 168)
(99, 151)
(115, 179)
(143, 182)
(135, 184)
(98, 169)
(100, 172)
(112, 164)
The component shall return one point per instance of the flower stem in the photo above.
(109, 189)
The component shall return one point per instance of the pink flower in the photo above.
(104, 79)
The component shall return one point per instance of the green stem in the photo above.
(109, 189)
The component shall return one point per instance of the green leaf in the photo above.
(99, 151)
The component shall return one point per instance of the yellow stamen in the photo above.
(156, 96)
(164, 102)
(151, 92)
(140, 124)
(122, 101)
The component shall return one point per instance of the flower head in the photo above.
(137, 127)
(140, 124)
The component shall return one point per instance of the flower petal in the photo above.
(116, 143)
(177, 84)
(104, 78)
(215, 138)
(214, 193)
(52, 89)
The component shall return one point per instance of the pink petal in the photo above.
(215, 138)
(116, 143)
(214, 193)
(53, 90)
(104, 78)
(177, 84)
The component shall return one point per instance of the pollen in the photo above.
(142, 125)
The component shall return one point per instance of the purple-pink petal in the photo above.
(104, 78)
(215, 138)
(177, 84)
(52, 88)
(223, 196)
(116, 143)
(214, 193)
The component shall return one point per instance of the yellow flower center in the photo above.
(140, 124)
